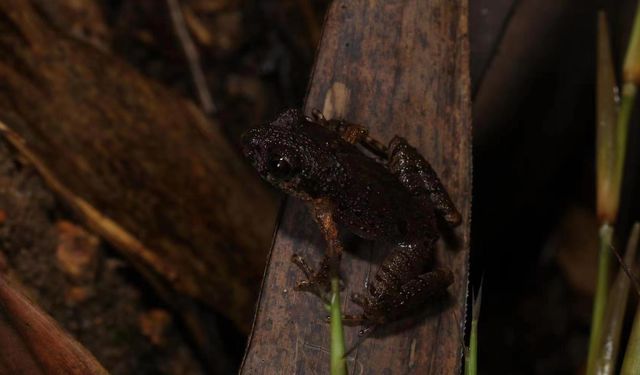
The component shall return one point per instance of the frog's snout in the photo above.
(251, 147)
(249, 143)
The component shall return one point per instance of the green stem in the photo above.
(616, 307)
(471, 352)
(628, 99)
(338, 362)
(600, 300)
(631, 364)
(632, 58)
(471, 365)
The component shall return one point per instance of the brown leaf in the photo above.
(33, 343)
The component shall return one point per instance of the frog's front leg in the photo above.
(352, 133)
(318, 282)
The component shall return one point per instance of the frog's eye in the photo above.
(280, 167)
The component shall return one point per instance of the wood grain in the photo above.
(398, 67)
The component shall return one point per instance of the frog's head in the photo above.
(283, 154)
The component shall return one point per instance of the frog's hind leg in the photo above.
(426, 286)
(411, 296)
(417, 175)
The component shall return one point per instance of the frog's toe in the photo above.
(303, 286)
(300, 262)
(317, 114)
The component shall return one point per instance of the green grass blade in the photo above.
(631, 363)
(600, 300)
(631, 70)
(616, 306)
(606, 127)
(471, 353)
(338, 362)
(610, 150)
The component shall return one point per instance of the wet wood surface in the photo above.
(398, 67)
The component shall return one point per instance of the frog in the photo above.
(378, 192)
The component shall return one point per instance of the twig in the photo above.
(627, 271)
(192, 56)
(104, 226)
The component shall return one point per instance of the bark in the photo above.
(142, 167)
(397, 67)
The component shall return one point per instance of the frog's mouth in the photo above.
(291, 188)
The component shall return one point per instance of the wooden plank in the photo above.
(398, 67)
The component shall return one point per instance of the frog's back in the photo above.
(373, 204)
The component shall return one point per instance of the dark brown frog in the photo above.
(388, 194)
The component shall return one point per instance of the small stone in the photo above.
(154, 325)
(77, 252)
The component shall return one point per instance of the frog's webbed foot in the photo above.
(358, 319)
(316, 282)
(354, 320)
